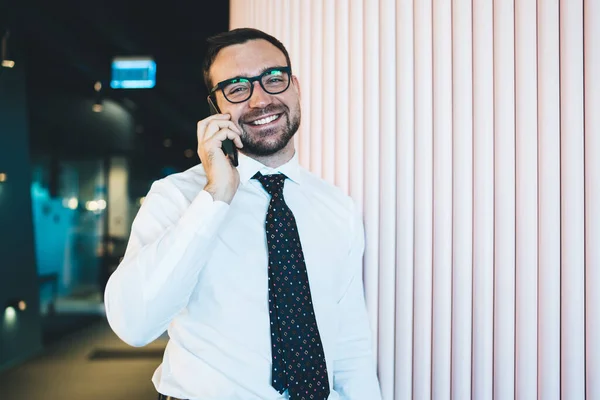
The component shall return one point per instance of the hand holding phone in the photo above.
(222, 177)
(229, 148)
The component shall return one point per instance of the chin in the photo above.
(265, 147)
(271, 141)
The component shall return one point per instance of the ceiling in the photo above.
(68, 45)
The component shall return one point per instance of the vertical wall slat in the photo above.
(249, 19)
(295, 49)
(270, 10)
(315, 54)
(526, 204)
(276, 22)
(442, 200)
(387, 200)
(291, 9)
(405, 199)
(462, 274)
(330, 81)
(483, 200)
(305, 79)
(592, 195)
(251, 10)
(234, 10)
(572, 200)
(370, 161)
(423, 200)
(282, 31)
(342, 94)
(260, 14)
(356, 91)
(504, 214)
(549, 200)
(284, 25)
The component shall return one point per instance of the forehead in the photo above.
(245, 59)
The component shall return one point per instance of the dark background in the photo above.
(67, 46)
(61, 49)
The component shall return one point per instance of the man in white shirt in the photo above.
(254, 270)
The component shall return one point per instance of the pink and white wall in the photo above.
(468, 131)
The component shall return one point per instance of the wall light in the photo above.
(3, 177)
(16, 305)
(10, 314)
(97, 107)
(71, 203)
(7, 62)
(133, 73)
(91, 205)
(11, 310)
(95, 205)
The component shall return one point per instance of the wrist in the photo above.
(219, 194)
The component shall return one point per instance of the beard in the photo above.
(272, 140)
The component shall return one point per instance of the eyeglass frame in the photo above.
(221, 85)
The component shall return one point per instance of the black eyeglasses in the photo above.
(237, 90)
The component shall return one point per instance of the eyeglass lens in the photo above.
(272, 81)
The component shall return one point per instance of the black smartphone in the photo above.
(229, 147)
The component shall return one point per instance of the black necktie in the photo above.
(297, 352)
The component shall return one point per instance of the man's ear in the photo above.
(297, 84)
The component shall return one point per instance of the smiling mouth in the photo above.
(266, 120)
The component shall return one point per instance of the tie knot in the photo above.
(272, 183)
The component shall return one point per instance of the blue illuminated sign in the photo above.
(133, 73)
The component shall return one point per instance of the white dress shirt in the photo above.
(198, 268)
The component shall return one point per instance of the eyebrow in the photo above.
(262, 71)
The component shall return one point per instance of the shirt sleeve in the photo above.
(170, 242)
(354, 369)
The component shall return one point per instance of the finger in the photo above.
(201, 126)
(216, 125)
(224, 134)
(225, 124)
(238, 142)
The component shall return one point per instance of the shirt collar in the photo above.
(248, 167)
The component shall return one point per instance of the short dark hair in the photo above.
(237, 36)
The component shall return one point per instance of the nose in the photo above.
(259, 98)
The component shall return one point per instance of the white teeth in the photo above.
(265, 120)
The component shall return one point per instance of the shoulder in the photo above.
(327, 193)
(186, 184)
(167, 200)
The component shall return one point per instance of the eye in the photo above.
(275, 79)
(237, 89)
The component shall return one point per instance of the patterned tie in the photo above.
(297, 351)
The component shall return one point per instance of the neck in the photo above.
(277, 159)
